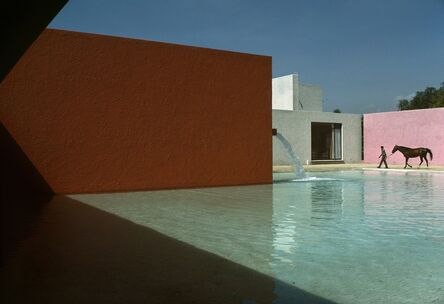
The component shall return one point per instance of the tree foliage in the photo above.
(429, 98)
(337, 111)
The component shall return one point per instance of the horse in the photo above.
(412, 153)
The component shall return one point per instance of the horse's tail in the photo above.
(429, 151)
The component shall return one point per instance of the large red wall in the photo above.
(98, 113)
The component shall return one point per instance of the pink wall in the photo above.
(417, 128)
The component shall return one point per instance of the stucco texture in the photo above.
(295, 126)
(104, 114)
(417, 128)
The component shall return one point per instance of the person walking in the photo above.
(383, 158)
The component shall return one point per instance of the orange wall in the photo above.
(98, 113)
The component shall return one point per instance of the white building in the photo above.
(316, 136)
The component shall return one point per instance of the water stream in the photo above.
(297, 165)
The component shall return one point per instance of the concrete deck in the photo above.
(340, 167)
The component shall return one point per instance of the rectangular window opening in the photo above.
(326, 141)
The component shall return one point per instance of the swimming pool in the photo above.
(349, 237)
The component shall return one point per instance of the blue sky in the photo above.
(363, 54)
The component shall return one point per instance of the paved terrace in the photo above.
(339, 167)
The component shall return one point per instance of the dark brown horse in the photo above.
(412, 153)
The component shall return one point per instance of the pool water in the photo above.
(349, 237)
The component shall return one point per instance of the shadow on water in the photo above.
(80, 254)
(23, 194)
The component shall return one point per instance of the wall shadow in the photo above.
(22, 23)
(23, 194)
(80, 254)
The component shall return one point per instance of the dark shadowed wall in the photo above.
(23, 195)
(98, 113)
(22, 21)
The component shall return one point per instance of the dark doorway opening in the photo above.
(326, 141)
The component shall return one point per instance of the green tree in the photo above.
(429, 98)
(337, 111)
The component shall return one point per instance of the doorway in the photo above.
(326, 141)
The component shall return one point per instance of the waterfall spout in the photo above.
(297, 166)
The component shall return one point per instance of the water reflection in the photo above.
(363, 237)
(370, 230)
(401, 186)
(326, 201)
(80, 254)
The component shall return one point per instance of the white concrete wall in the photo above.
(295, 107)
(283, 91)
(289, 94)
(310, 96)
(296, 127)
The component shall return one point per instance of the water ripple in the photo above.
(351, 237)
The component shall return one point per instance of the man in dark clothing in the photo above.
(383, 158)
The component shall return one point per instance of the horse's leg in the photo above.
(427, 162)
(406, 163)
(422, 159)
